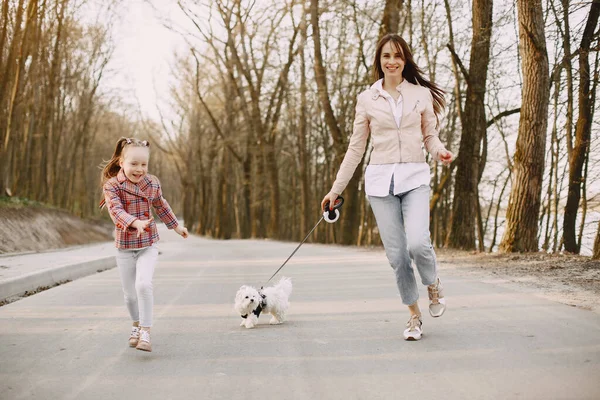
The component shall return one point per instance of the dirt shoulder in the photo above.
(569, 279)
(26, 228)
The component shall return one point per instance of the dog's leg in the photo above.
(251, 321)
(277, 319)
(243, 322)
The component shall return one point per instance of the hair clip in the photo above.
(145, 143)
(128, 140)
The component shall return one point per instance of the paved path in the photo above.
(342, 341)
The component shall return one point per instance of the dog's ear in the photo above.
(240, 293)
(238, 307)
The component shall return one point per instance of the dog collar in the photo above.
(255, 312)
(259, 308)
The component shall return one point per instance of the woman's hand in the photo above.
(140, 225)
(182, 231)
(446, 157)
(329, 198)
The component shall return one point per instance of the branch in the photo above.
(210, 114)
(277, 96)
(502, 115)
(456, 59)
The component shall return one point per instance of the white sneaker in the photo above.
(437, 302)
(144, 342)
(414, 328)
(134, 336)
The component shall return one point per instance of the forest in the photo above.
(262, 105)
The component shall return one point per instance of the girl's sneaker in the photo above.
(414, 328)
(437, 302)
(144, 342)
(135, 336)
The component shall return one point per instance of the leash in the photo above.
(329, 215)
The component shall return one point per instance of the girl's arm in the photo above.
(163, 209)
(356, 149)
(116, 210)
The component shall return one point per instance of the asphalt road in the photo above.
(343, 338)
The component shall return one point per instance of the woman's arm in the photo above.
(356, 148)
(430, 130)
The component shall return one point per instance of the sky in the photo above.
(144, 53)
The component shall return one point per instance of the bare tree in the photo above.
(349, 222)
(474, 126)
(582, 133)
(525, 196)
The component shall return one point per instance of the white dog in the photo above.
(273, 300)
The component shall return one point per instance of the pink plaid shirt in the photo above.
(128, 201)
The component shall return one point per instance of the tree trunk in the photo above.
(3, 33)
(5, 80)
(525, 196)
(457, 79)
(596, 253)
(274, 202)
(474, 125)
(553, 167)
(569, 71)
(302, 146)
(350, 217)
(391, 17)
(582, 133)
(321, 79)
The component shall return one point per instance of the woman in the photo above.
(400, 111)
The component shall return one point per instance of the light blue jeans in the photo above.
(403, 223)
(136, 268)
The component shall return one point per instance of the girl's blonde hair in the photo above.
(111, 167)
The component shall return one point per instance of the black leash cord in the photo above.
(301, 243)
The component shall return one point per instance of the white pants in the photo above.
(136, 268)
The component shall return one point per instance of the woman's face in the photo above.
(391, 60)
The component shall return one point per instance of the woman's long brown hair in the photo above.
(411, 72)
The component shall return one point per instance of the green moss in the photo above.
(20, 202)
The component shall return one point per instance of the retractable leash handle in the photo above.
(333, 215)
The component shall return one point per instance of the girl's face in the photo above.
(135, 163)
(392, 62)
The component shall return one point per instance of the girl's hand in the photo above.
(140, 225)
(182, 230)
(446, 157)
(329, 198)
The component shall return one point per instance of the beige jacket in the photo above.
(391, 144)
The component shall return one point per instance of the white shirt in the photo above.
(407, 176)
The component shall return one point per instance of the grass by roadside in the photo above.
(19, 202)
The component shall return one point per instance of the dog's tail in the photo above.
(285, 284)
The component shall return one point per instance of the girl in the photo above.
(400, 112)
(128, 192)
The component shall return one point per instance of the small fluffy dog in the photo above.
(273, 300)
